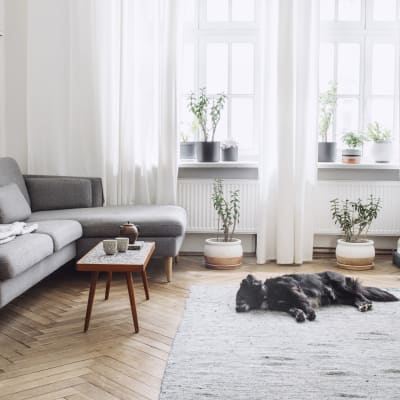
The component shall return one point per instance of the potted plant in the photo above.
(204, 107)
(327, 111)
(224, 252)
(353, 151)
(229, 150)
(382, 148)
(355, 251)
(188, 146)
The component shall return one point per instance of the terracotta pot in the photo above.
(130, 231)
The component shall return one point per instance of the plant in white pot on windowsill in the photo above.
(224, 252)
(327, 111)
(187, 145)
(382, 147)
(204, 107)
(354, 218)
(353, 151)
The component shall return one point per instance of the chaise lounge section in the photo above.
(71, 219)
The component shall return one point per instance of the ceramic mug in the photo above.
(122, 244)
(110, 246)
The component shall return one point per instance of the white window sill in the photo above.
(220, 164)
(340, 165)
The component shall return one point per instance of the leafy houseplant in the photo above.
(207, 112)
(354, 219)
(354, 141)
(225, 252)
(381, 150)
(227, 210)
(229, 150)
(327, 112)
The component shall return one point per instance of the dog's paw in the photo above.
(311, 315)
(300, 316)
(363, 307)
(370, 306)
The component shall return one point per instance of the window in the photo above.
(360, 46)
(220, 53)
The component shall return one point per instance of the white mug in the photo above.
(110, 246)
(122, 244)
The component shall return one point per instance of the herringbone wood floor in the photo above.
(45, 355)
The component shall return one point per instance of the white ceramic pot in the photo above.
(382, 152)
(223, 255)
(357, 256)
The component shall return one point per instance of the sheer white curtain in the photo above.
(289, 129)
(103, 98)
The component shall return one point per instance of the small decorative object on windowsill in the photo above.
(353, 151)
(224, 252)
(187, 145)
(382, 147)
(229, 150)
(355, 251)
(327, 112)
(203, 106)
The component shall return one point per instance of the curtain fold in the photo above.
(289, 130)
(110, 74)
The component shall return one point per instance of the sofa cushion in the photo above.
(13, 205)
(62, 232)
(22, 253)
(10, 173)
(158, 221)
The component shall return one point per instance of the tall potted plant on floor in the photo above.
(354, 218)
(224, 252)
(382, 147)
(206, 107)
(327, 112)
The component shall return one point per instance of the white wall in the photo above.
(15, 70)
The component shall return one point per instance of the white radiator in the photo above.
(194, 195)
(388, 221)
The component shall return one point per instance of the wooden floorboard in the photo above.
(44, 354)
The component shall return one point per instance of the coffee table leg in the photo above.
(92, 291)
(145, 284)
(129, 282)
(109, 279)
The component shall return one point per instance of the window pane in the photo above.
(243, 10)
(346, 116)
(217, 10)
(348, 68)
(242, 68)
(327, 10)
(242, 122)
(382, 112)
(384, 10)
(326, 65)
(383, 62)
(217, 67)
(188, 10)
(188, 68)
(349, 10)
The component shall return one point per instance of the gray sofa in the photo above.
(71, 219)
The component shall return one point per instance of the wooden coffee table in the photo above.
(97, 261)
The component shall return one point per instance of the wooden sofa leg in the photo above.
(168, 267)
(177, 259)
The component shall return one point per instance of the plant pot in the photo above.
(351, 156)
(208, 151)
(223, 255)
(188, 150)
(382, 152)
(355, 255)
(230, 154)
(326, 151)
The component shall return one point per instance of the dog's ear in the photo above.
(250, 278)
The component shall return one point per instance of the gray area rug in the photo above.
(343, 354)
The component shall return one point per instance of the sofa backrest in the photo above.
(10, 173)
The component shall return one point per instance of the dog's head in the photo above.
(251, 295)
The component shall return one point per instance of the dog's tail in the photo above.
(375, 294)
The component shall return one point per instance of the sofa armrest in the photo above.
(63, 192)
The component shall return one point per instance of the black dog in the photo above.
(299, 295)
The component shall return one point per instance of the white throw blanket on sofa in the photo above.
(8, 232)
